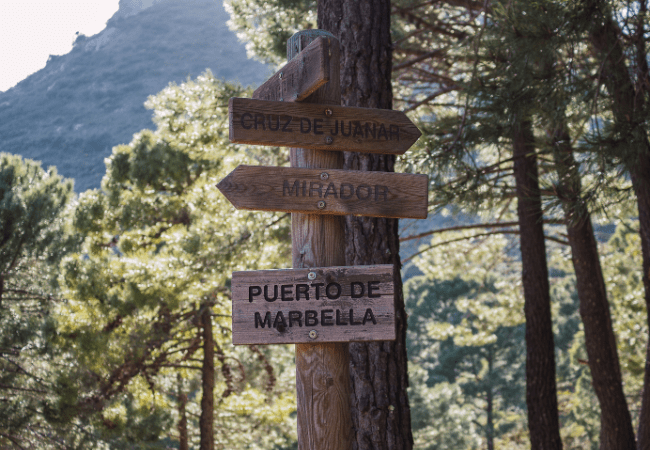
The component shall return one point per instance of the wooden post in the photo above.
(322, 370)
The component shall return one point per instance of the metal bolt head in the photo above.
(328, 140)
(313, 334)
(328, 112)
(281, 99)
(324, 176)
(311, 275)
(321, 204)
(391, 408)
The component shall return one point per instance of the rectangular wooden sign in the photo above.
(327, 191)
(320, 127)
(328, 304)
(301, 76)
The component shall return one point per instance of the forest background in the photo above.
(114, 304)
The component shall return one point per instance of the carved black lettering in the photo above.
(302, 289)
(315, 187)
(352, 322)
(266, 293)
(280, 323)
(260, 322)
(311, 318)
(394, 131)
(373, 286)
(381, 191)
(243, 117)
(305, 128)
(304, 188)
(290, 190)
(369, 131)
(285, 127)
(318, 286)
(318, 126)
(285, 292)
(368, 192)
(331, 190)
(336, 287)
(277, 123)
(338, 318)
(336, 128)
(259, 120)
(349, 129)
(353, 287)
(369, 316)
(295, 316)
(358, 131)
(382, 130)
(326, 318)
(345, 196)
(252, 292)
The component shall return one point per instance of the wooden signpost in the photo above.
(301, 76)
(331, 191)
(320, 127)
(320, 305)
(329, 304)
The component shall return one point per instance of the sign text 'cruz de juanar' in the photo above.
(328, 304)
(327, 191)
(320, 127)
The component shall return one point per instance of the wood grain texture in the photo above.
(289, 189)
(301, 76)
(322, 370)
(329, 296)
(320, 126)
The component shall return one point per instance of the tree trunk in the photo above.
(628, 109)
(182, 416)
(206, 422)
(489, 432)
(380, 408)
(616, 423)
(541, 395)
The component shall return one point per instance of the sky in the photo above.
(32, 30)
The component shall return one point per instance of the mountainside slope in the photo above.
(72, 112)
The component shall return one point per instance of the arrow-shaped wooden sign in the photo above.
(320, 127)
(302, 75)
(328, 304)
(327, 191)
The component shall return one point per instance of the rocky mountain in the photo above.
(72, 112)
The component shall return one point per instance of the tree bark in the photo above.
(628, 110)
(615, 422)
(541, 394)
(182, 416)
(206, 421)
(380, 409)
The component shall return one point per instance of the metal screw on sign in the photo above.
(328, 112)
(324, 176)
(311, 275)
(313, 334)
(281, 74)
(281, 99)
(321, 205)
(328, 139)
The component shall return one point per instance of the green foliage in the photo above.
(160, 244)
(34, 204)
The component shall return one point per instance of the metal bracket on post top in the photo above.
(302, 39)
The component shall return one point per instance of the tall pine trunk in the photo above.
(616, 423)
(182, 416)
(380, 410)
(541, 394)
(627, 107)
(206, 421)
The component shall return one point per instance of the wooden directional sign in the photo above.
(331, 304)
(302, 75)
(320, 127)
(327, 191)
